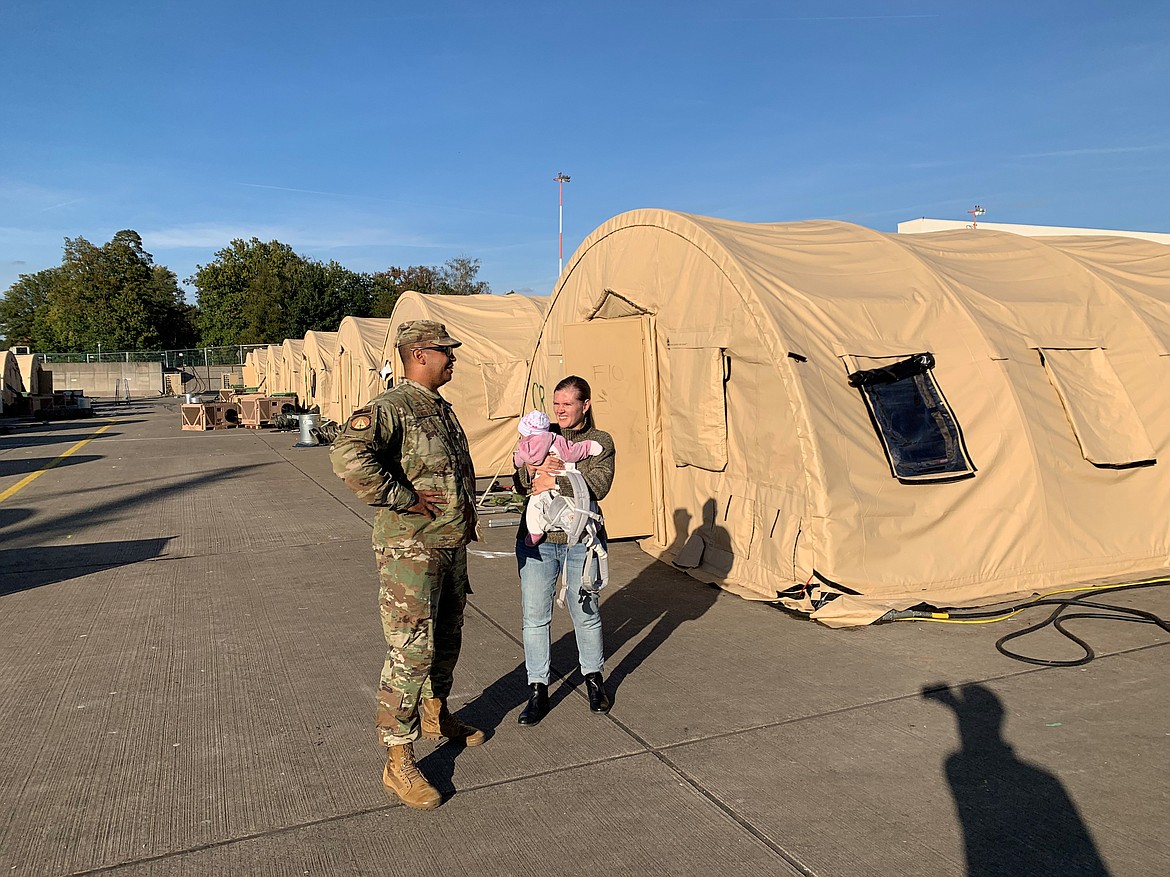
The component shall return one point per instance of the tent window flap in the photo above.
(918, 432)
(503, 385)
(698, 408)
(1101, 413)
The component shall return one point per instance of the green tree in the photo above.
(113, 296)
(242, 292)
(458, 277)
(261, 293)
(388, 285)
(24, 310)
(326, 294)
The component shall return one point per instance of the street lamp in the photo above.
(560, 179)
(976, 212)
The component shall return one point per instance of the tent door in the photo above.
(614, 357)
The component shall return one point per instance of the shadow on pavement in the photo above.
(1017, 818)
(10, 466)
(78, 520)
(647, 610)
(22, 569)
(10, 516)
(27, 439)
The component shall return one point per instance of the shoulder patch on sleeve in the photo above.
(359, 420)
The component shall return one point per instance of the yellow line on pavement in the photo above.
(29, 479)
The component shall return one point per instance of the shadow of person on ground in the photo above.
(1017, 818)
(658, 601)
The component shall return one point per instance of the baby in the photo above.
(536, 445)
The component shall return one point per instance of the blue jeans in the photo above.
(540, 567)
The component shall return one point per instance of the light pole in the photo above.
(560, 179)
(976, 212)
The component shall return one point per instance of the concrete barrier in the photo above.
(99, 379)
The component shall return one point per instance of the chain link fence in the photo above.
(192, 357)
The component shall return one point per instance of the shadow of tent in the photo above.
(26, 466)
(22, 569)
(10, 516)
(26, 439)
(47, 527)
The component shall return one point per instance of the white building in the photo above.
(920, 226)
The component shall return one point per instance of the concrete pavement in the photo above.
(189, 647)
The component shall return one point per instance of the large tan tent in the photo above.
(319, 370)
(850, 422)
(10, 382)
(360, 361)
(290, 367)
(488, 388)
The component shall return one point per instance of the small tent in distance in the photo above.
(487, 390)
(361, 342)
(319, 369)
(292, 378)
(10, 381)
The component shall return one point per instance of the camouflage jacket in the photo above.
(408, 439)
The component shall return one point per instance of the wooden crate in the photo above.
(257, 411)
(210, 415)
(39, 403)
(174, 383)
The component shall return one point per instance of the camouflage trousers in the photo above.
(422, 594)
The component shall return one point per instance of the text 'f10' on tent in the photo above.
(487, 390)
(851, 422)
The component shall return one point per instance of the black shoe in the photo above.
(537, 707)
(598, 699)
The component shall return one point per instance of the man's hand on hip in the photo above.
(430, 503)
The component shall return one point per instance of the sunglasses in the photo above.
(446, 351)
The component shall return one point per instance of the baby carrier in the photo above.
(579, 517)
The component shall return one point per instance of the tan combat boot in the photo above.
(403, 779)
(437, 721)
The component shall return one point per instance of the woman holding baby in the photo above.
(543, 557)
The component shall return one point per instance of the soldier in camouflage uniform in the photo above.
(406, 454)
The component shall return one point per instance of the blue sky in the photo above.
(387, 133)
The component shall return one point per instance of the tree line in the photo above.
(115, 297)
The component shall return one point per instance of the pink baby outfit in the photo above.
(535, 446)
(533, 449)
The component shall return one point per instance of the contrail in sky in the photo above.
(62, 204)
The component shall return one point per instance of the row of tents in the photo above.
(840, 420)
(339, 372)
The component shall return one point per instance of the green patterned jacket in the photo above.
(408, 439)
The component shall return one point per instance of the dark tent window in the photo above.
(920, 436)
